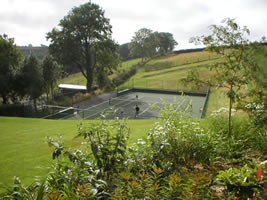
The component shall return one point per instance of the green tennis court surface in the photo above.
(149, 104)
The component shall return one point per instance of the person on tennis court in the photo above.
(137, 109)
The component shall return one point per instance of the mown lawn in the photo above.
(23, 147)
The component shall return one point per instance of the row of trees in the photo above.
(26, 77)
(82, 42)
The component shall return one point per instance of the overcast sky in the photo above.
(28, 21)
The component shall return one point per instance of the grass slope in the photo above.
(79, 79)
(24, 152)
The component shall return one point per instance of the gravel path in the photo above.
(96, 100)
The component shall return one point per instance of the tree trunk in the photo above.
(52, 91)
(47, 97)
(89, 80)
(230, 113)
(35, 104)
(4, 99)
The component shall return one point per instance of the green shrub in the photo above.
(16, 110)
(107, 141)
(243, 183)
(125, 75)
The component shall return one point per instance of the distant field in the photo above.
(24, 152)
(76, 79)
(169, 78)
(178, 60)
(127, 64)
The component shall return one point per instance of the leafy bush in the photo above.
(124, 76)
(243, 183)
(16, 110)
(107, 141)
(155, 185)
(173, 141)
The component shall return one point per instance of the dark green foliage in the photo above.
(16, 110)
(10, 58)
(125, 75)
(125, 52)
(148, 44)
(243, 183)
(107, 63)
(166, 42)
(107, 141)
(142, 44)
(51, 73)
(84, 34)
(31, 79)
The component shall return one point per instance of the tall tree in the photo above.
(124, 51)
(31, 79)
(108, 60)
(51, 73)
(80, 38)
(144, 44)
(166, 42)
(10, 57)
(235, 70)
(147, 44)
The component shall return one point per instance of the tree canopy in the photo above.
(147, 44)
(51, 73)
(10, 58)
(82, 34)
(166, 41)
(31, 78)
(235, 70)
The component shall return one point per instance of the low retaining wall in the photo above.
(126, 91)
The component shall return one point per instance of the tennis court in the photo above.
(139, 104)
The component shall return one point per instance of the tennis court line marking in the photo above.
(101, 103)
(180, 105)
(109, 108)
(107, 101)
(149, 107)
(189, 105)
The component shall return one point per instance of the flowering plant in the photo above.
(241, 182)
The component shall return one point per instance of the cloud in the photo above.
(29, 20)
